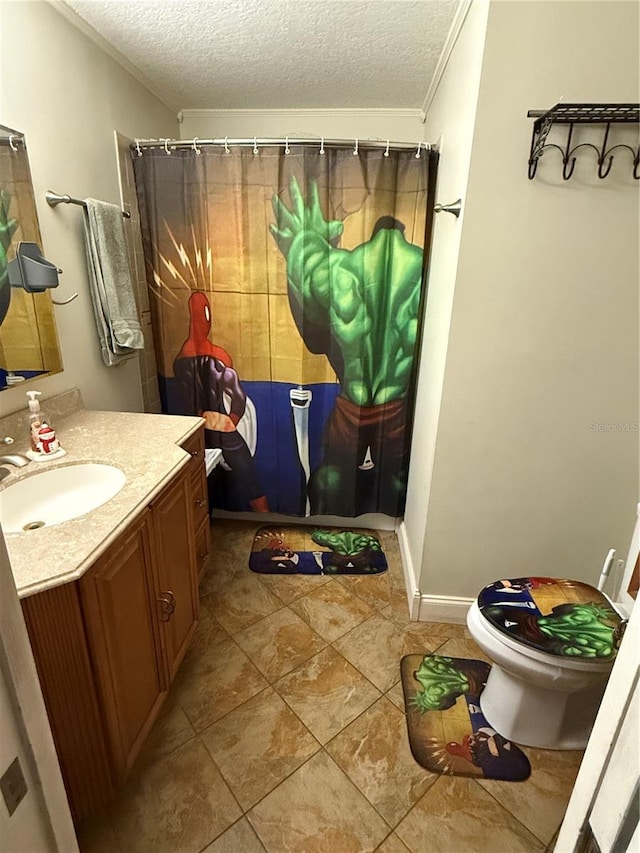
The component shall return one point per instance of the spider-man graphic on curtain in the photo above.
(209, 386)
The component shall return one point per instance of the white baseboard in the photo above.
(443, 608)
(410, 580)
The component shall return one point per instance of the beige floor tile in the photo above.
(541, 801)
(376, 646)
(392, 844)
(217, 574)
(396, 695)
(448, 630)
(258, 745)
(332, 610)
(208, 633)
(280, 643)
(227, 534)
(211, 684)
(178, 805)
(240, 601)
(171, 730)
(240, 838)
(96, 835)
(461, 648)
(398, 608)
(456, 815)
(290, 587)
(327, 693)
(317, 810)
(374, 753)
(374, 589)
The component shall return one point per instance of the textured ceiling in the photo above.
(279, 54)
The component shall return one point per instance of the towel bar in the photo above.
(54, 199)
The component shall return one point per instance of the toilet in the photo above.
(552, 643)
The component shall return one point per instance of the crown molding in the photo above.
(258, 113)
(87, 30)
(456, 28)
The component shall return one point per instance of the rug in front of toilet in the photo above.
(560, 617)
(448, 732)
(293, 550)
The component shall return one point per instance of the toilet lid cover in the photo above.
(559, 617)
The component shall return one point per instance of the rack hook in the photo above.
(226, 145)
(418, 155)
(386, 150)
(322, 145)
(255, 144)
(355, 150)
(138, 149)
(12, 136)
(602, 173)
(166, 146)
(568, 165)
(195, 145)
(287, 150)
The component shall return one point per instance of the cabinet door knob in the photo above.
(195, 453)
(200, 503)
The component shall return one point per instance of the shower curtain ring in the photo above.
(11, 138)
(322, 145)
(386, 150)
(166, 147)
(255, 144)
(355, 150)
(138, 149)
(287, 150)
(195, 146)
(226, 146)
(418, 151)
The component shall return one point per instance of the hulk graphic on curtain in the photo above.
(360, 308)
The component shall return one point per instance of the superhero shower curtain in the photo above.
(286, 294)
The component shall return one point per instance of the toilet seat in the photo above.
(566, 622)
(477, 622)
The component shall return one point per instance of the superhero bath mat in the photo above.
(315, 551)
(447, 730)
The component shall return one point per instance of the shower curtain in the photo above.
(286, 292)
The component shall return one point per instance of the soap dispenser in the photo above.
(44, 443)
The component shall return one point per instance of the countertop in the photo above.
(145, 447)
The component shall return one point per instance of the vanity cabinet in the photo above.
(108, 646)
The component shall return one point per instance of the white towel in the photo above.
(114, 304)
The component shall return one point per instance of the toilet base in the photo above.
(532, 715)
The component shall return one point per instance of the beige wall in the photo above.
(67, 96)
(544, 334)
(450, 121)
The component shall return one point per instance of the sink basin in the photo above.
(57, 495)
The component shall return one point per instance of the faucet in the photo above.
(16, 459)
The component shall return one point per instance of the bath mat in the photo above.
(316, 551)
(447, 730)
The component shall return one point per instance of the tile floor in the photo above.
(285, 731)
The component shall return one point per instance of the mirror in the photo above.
(28, 337)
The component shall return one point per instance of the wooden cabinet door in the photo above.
(122, 625)
(176, 576)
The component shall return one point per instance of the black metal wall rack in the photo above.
(570, 115)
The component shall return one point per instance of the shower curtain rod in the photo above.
(321, 142)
